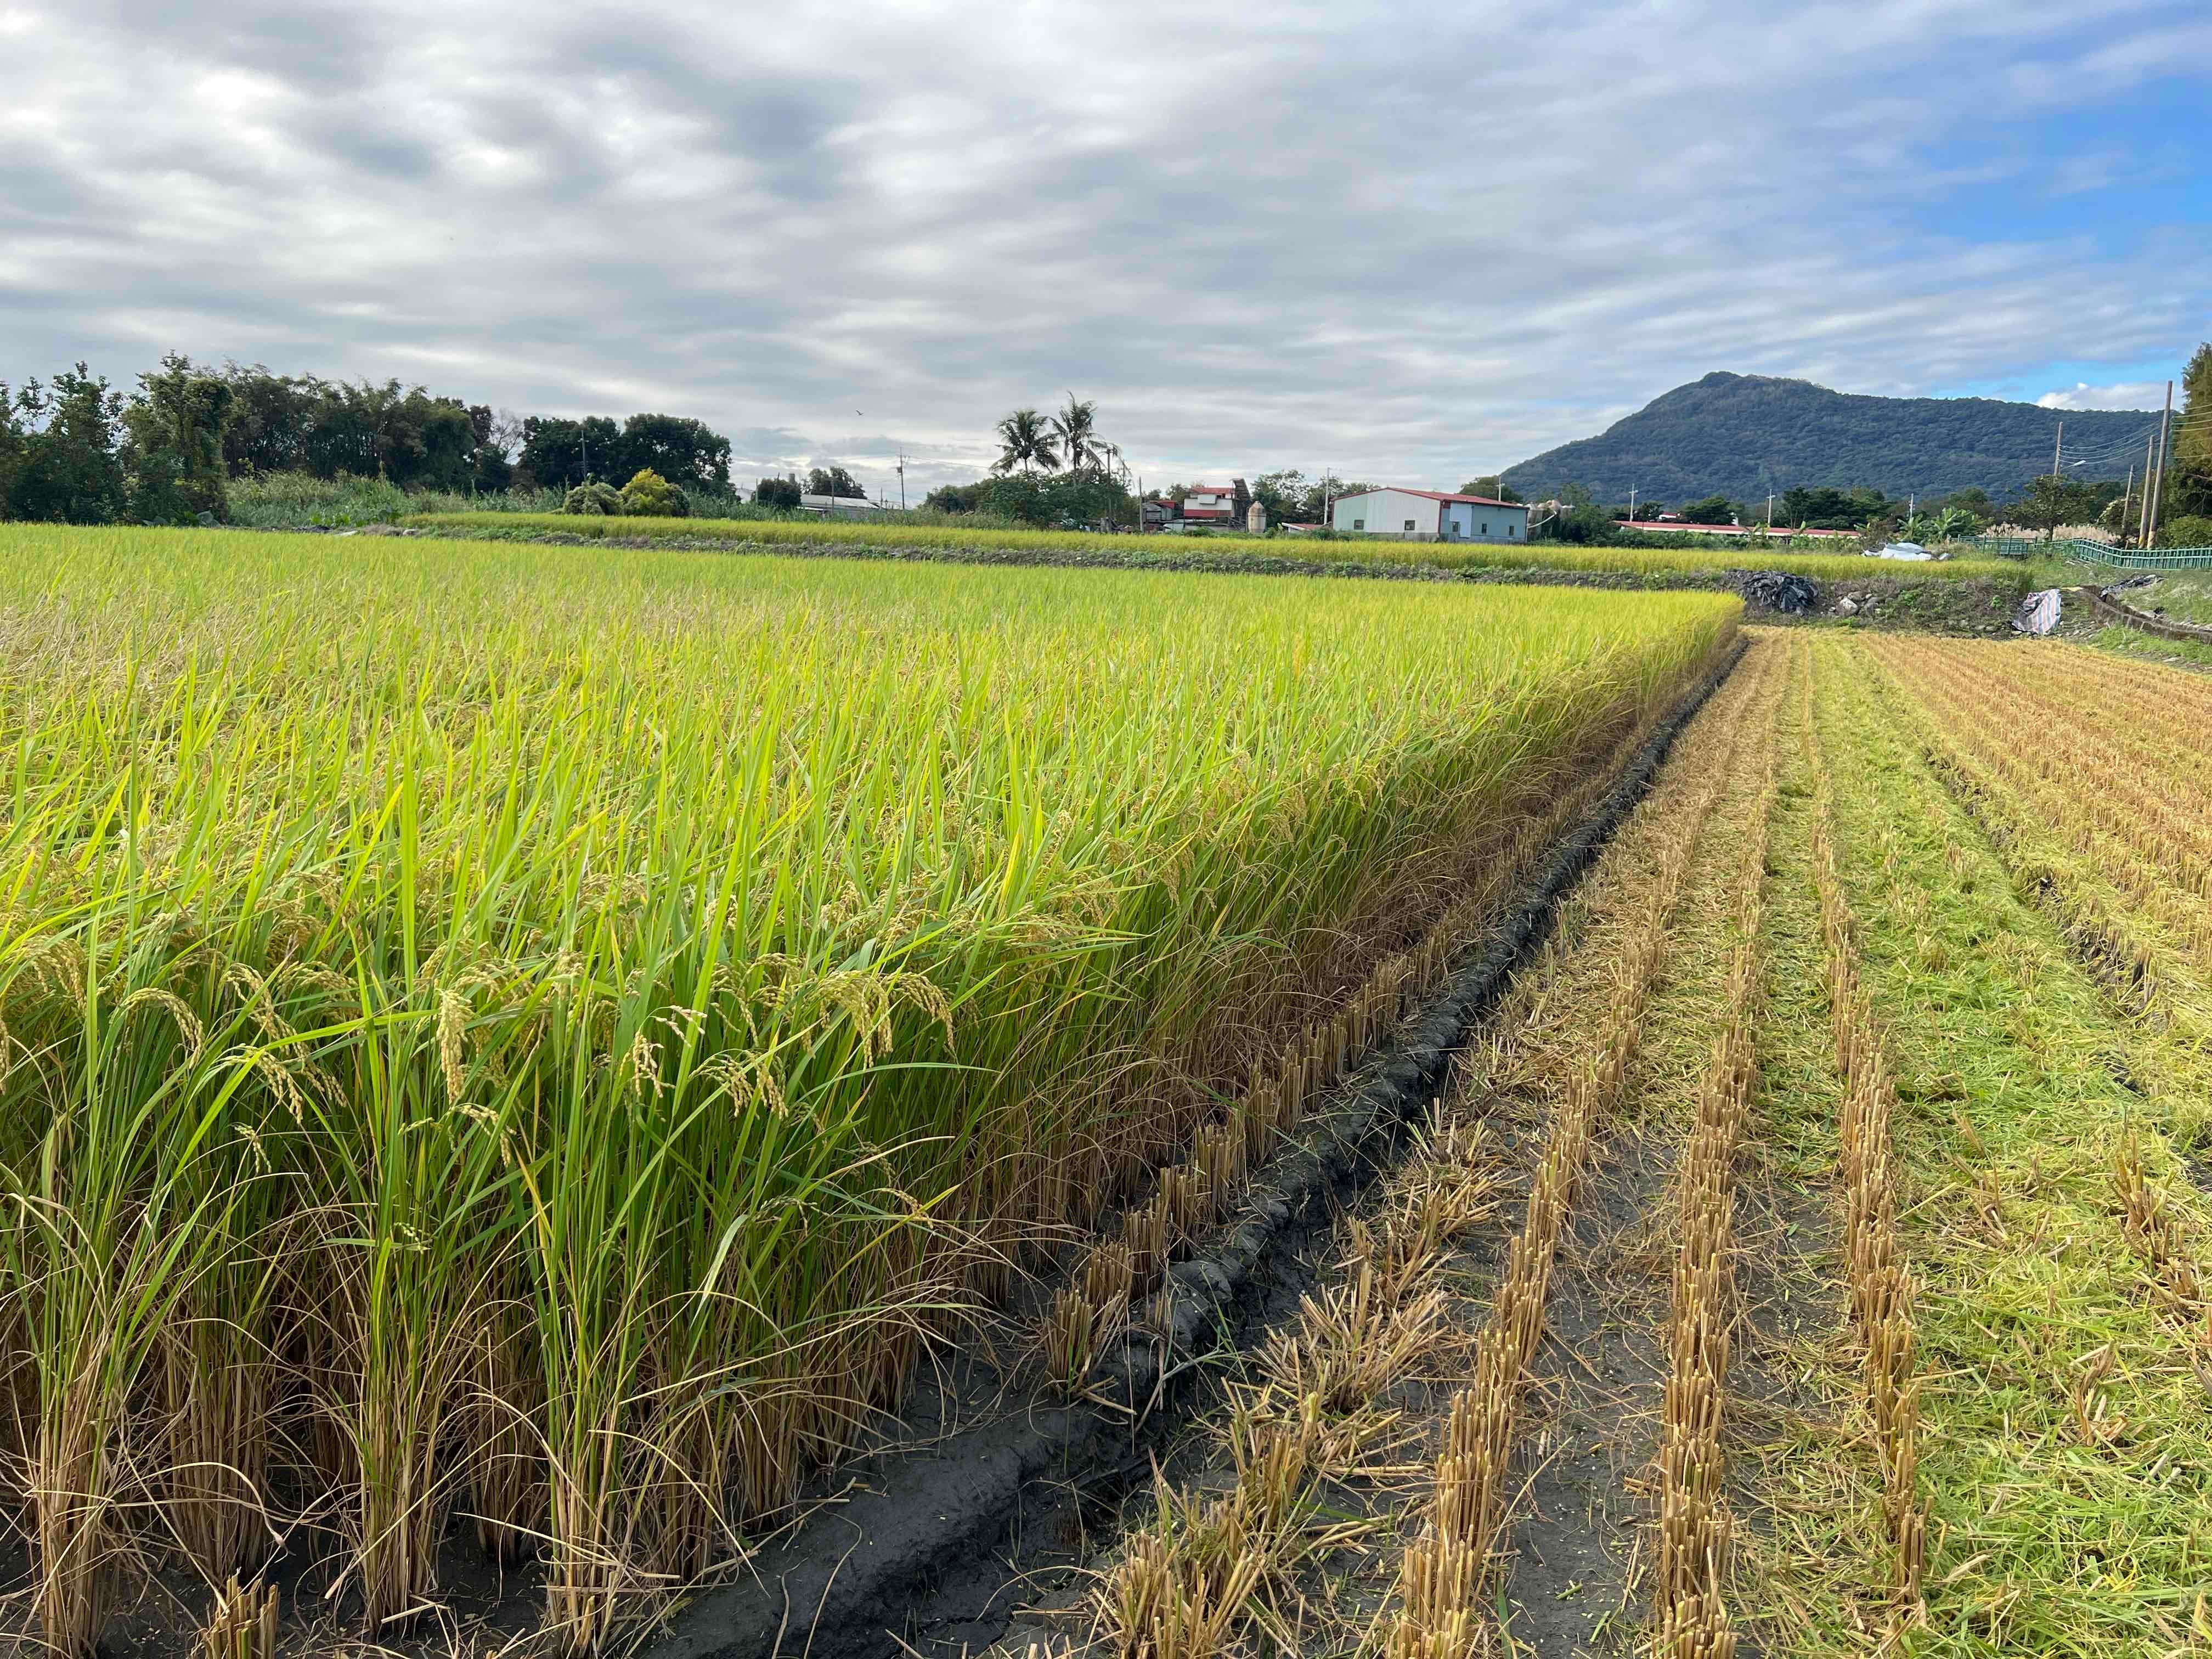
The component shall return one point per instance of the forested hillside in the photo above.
(1742, 435)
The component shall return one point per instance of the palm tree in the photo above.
(1028, 443)
(1076, 427)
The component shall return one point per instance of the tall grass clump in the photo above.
(288, 500)
(527, 1043)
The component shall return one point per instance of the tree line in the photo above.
(1053, 470)
(75, 449)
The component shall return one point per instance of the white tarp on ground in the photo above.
(1912, 551)
(2039, 613)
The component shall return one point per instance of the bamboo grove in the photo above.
(528, 1044)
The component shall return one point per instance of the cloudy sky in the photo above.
(1412, 242)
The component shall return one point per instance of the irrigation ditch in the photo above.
(921, 1546)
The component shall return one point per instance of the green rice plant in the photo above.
(955, 541)
(536, 1038)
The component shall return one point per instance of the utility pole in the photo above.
(902, 472)
(2054, 445)
(2142, 507)
(1770, 510)
(2127, 495)
(1631, 504)
(2158, 486)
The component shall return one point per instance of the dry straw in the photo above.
(1443, 1572)
(1694, 1526)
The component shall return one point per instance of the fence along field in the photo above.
(531, 1040)
(1825, 1259)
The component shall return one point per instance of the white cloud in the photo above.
(1409, 241)
(2128, 394)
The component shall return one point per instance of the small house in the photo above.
(1430, 515)
(1211, 504)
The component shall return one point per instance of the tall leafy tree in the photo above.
(2049, 502)
(1026, 442)
(2190, 472)
(71, 467)
(489, 466)
(270, 416)
(175, 458)
(12, 441)
(1714, 510)
(1075, 431)
(562, 453)
(1494, 486)
(681, 450)
(1071, 500)
(834, 481)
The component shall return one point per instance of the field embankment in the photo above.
(523, 1049)
(1651, 566)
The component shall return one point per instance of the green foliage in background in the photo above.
(62, 451)
(601, 498)
(649, 494)
(2189, 487)
(176, 426)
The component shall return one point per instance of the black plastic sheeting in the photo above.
(1776, 590)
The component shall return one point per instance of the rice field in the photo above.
(952, 542)
(523, 1048)
(1811, 1256)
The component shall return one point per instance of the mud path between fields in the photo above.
(933, 1544)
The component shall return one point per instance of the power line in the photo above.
(2122, 447)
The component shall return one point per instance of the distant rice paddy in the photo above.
(952, 542)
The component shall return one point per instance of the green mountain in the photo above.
(1743, 434)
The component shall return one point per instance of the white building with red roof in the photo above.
(1430, 515)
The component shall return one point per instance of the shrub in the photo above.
(2188, 530)
(594, 498)
(650, 495)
